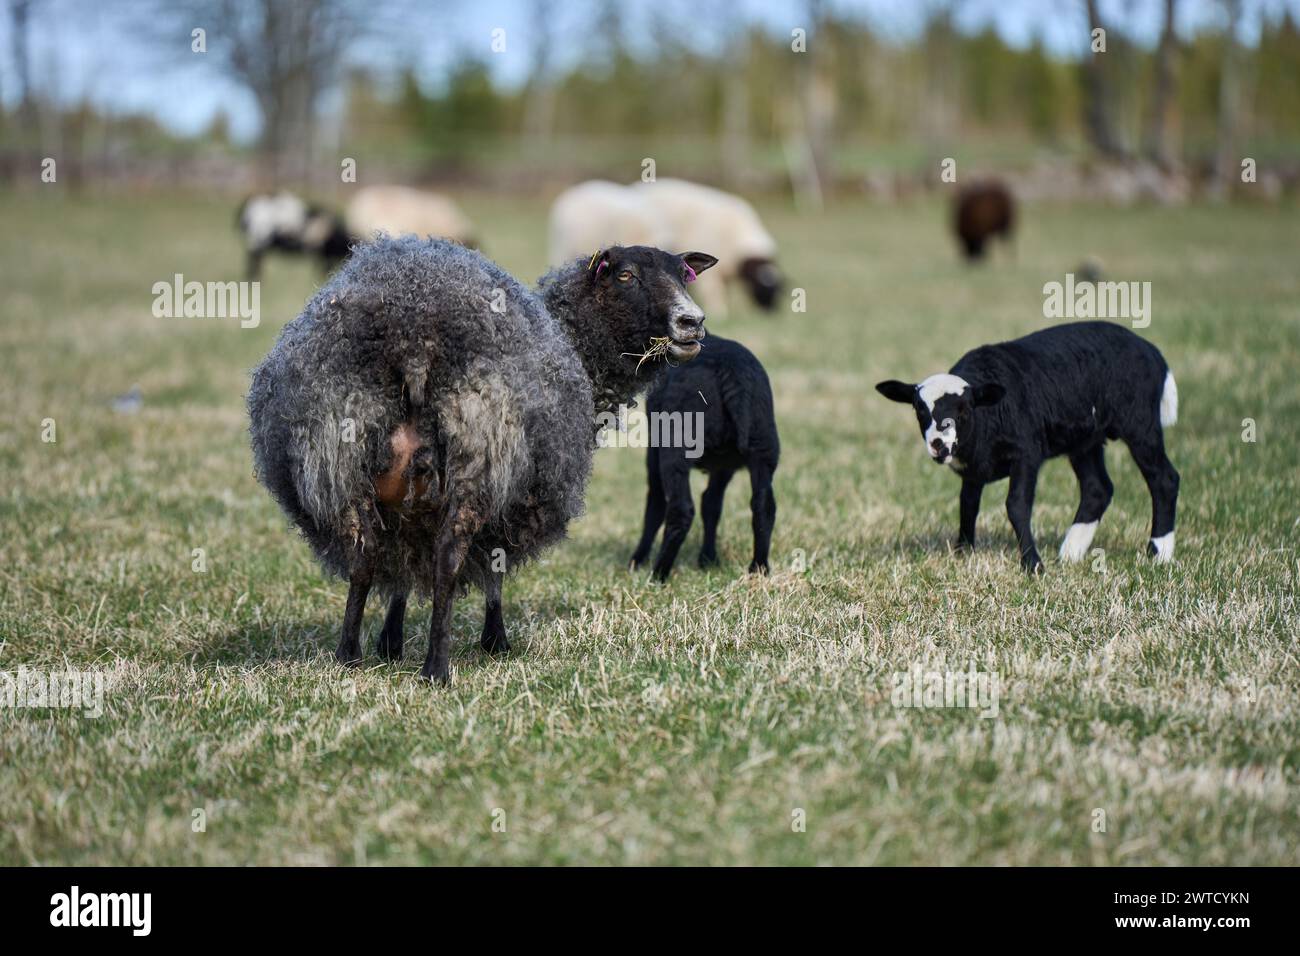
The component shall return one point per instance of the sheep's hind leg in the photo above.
(1162, 482)
(451, 546)
(711, 513)
(762, 506)
(390, 641)
(655, 506)
(494, 629)
(349, 649)
(1095, 492)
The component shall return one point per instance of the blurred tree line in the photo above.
(880, 102)
(743, 107)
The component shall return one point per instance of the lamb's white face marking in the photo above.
(1077, 540)
(945, 429)
(1164, 546)
(264, 216)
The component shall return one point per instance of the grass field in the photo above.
(698, 722)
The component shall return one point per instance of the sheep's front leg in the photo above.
(494, 629)
(970, 510)
(349, 649)
(1020, 505)
(390, 641)
(680, 514)
(451, 546)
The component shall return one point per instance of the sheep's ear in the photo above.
(989, 394)
(699, 261)
(599, 263)
(897, 391)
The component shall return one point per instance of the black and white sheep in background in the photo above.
(286, 223)
(1005, 409)
(680, 215)
(473, 403)
(982, 211)
(729, 386)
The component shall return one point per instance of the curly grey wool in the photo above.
(470, 392)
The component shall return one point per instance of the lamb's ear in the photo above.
(697, 262)
(989, 394)
(897, 391)
(599, 263)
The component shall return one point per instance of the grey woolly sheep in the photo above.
(470, 402)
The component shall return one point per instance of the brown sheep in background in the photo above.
(983, 210)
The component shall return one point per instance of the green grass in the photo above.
(637, 723)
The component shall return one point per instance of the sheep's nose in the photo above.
(691, 326)
(937, 444)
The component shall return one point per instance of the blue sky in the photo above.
(98, 49)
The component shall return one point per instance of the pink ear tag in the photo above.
(690, 273)
(604, 264)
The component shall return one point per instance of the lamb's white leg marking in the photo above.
(1169, 406)
(1164, 546)
(1077, 540)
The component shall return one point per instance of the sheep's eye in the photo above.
(624, 275)
(947, 424)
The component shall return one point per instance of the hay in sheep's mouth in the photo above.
(658, 349)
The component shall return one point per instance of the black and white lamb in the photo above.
(471, 401)
(1005, 409)
(286, 223)
(728, 387)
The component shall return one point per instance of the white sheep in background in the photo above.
(670, 214)
(702, 217)
(401, 211)
(597, 214)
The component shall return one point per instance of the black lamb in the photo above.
(729, 389)
(1005, 409)
(428, 423)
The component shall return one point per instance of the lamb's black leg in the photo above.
(762, 505)
(349, 649)
(451, 545)
(390, 641)
(681, 512)
(494, 629)
(1020, 505)
(711, 513)
(254, 269)
(1162, 482)
(971, 491)
(1095, 491)
(655, 506)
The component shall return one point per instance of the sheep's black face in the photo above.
(646, 290)
(945, 409)
(763, 279)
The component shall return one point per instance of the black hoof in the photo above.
(389, 646)
(756, 567)
(440, 676)
(494, 642)
(348, 656)
(708, 559)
